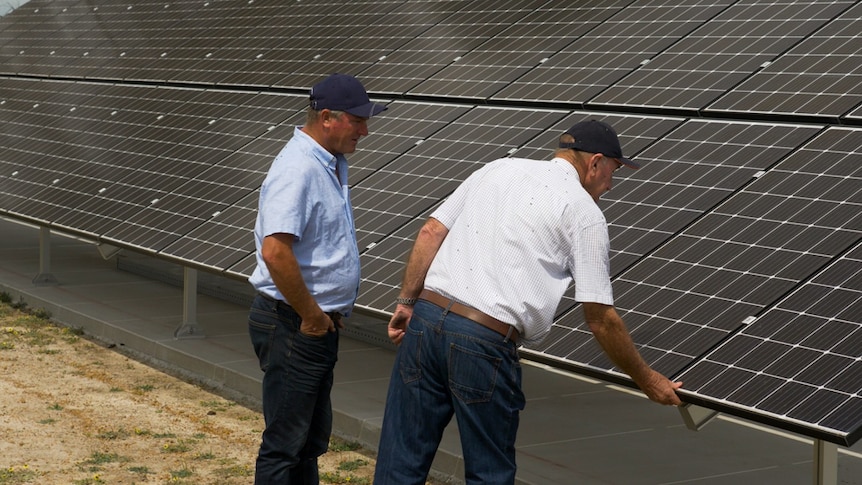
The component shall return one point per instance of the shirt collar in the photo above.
(325, 158)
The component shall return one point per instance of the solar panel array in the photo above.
(735, 255)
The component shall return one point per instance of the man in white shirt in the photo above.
(486, 273)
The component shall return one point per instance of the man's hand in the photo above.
(660, 389)
(318, 326)
(398, 323)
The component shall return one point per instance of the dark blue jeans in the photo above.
(448, 365)
(297, 381)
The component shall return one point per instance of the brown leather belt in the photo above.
(504, 329)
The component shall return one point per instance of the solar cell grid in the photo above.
(599, 58)
(396, 131)
(820, 76)
(718, 55)
(540, 29)
(383, 265)
(800, 360)
(448, 30)
(297, 44)
(223, 241)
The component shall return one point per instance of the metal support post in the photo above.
(45, 277)
(189, 327)
(825, 463)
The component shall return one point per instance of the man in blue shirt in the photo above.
(307, 278)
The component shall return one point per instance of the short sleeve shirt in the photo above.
(520, 231)
(301, 195)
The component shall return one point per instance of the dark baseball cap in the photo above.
(343, 92)
(595, 136)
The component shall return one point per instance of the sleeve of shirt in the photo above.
(284, 203)
(591, 269)
(449, 210)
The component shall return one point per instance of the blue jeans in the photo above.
(297, 380)
(448, 364)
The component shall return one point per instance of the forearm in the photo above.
(613, 336)
(427, 243)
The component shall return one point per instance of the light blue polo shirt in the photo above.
(302, 196)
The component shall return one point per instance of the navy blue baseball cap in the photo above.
(343, 92)
(595, 136)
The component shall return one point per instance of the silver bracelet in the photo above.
(405, 301)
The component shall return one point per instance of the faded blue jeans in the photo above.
(448, 365)
(297, 380)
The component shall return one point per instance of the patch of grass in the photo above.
(352, 465)
(338, 444)
(42, 313)
(234, 471)
(209, 455)
(37, 338)
(338, 478)
(99, 458)
(14, 476)
(118, 434)
(176, 447)
(55, 407)
(46, 421)
(89, 481)
(217, 405)
(144, 388)
(142, 470)
(183, 473)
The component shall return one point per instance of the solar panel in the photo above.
(602, 56)
(689, 290)
(447, 38)
(383, 265)
(721, 53)
(535, 30)
(396, 131)
(432, 169)
(797, 365)
(821, 75)
(735, 250)
(148, 166)
(223, 241)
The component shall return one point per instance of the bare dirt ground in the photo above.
(75, 412)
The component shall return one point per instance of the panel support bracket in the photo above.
(696, 417)
(825, 463)
(45, 277)
(189, 328)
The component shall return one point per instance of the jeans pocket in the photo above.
(262, 335)
(472, 374)
(408, 356)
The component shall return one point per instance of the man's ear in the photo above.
(594, 161)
